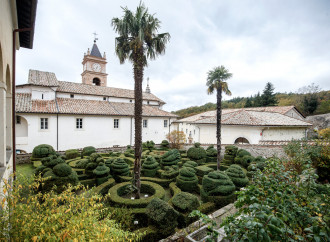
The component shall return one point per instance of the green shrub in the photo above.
(150, 167)
(52, 161)
(191, 164)
(42, 150)
(169, 172)
(90, 168)
(246, 160)
(207, 207)
(62, 170)
(95, 157)
(163, 216)
(150, 145)
(197, 154)
(71, 154)
(230, 154)
(165, 144)
(101, 170)
(211, 154)
(119, 168)
(115, 154)
(187, 180)
(61, 176)
(237, 176)
(82, 163)
(104, 187)
(217, 183)
(185, 202)
(108, 162)
(259, 159)
(170, 158)
(87, 151)
(203, 170)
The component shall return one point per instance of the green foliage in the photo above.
(52, 161)
(57, 217)
(71, 154)
(211, 224)
(324, 133)
(211, 152)
(279, 206)
(42, 150)
(268, 97)
(162, 215)
(191, 164)
(90, 168)
(150, 145)
(150, 167)
(217, 183)
(82, 163)
(230, 154)
(87, 151)
(246, 160)
(187, 180)
(196, 152)
(165, 144)
(62, 170)
(119, 168)
(237, 175)
(170, 172)
(101, 170)
(203, 170)
(96, 158)
(170, 158)
(185, 202)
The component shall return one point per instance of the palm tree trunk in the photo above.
(219, 97)
(138, 78)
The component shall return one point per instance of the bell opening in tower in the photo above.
(96, 82)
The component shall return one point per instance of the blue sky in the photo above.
(284, 42)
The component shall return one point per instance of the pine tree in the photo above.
(257, 100)
(248, 103)
(268, 97)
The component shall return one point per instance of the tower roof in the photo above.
(95, 51)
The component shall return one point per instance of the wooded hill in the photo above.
(284, 99)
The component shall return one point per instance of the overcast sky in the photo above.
(285, 42)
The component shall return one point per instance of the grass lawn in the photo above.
(26, 170)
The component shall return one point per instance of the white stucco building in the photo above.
(261, 125)
(74, 115)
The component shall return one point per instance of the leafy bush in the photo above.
(90, 168)
(82, 163)
(278, 206)
(237, 175)
(162, 215)
(57, 217)
(191, 164)
(176, 139)
(42, 150)
(62, 170)
(52, 161)
(187, 181)
(170, 172)
(324, 133)
(101, 170)
(230, 154)
(170, 158)
(119, 168)
(211, 154)
(217, 183)
(197, 154)
(165, 144)
(95, 157)
(150, 167)
(185, 202)
(203, 170)
(71, 154)
(87, 151)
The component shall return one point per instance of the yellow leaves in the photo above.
(4, 191)
(34, 238)
(68, 210)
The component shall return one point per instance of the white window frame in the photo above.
(79, 123)
(145, 123)
(116, 123)
(44, 124)
(165, 123)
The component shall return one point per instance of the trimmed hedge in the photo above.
(203, 170)
(104, 188)
(170, 158)
(118, 190)
(52, 161)
(87, 151)
(197, 154)
(185, 202)
(162, 215)
(165, 144)
(230, 154)
(90, 168)
(191, 164)
(238, 177)
(211, 154)
(187, 180)
(162, 182)
(119, 168)
(88, 182)
(174, 189)
(71, 154)
(62, 170)
(42, 150)
(60, 178)
(82, 163)
(169, 172)
(207, 207)
(150, 167)
(101, 170)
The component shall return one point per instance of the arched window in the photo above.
(241, 140)
(96, 82)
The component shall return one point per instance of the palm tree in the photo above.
(216, 81)
(138, 41)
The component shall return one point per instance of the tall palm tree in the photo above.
(216, 80)
(138, 41)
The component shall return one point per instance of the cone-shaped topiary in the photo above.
(185, 202)
(187, 180)
(237, 175)
(87, 151)
(211, 154)
(42, 150)
(150, 167)
(190, 163)
(162, 216)
(165, 144)
(197, 154)
(101, 170)
(230, 154)
(90, 168)
(119, 168)
(170, 158)
(239, 156)
(170, 172)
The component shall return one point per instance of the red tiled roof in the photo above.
(24, 104)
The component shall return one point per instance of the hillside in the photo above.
(284, 99)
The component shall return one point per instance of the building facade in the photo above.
(246, 125)
(70, 115)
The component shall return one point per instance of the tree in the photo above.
(268, 97)
(248, 103)
(257, 100)
(138, 41)
(310, 100)
(176, 138)
(216, 80)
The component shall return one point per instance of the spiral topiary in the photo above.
(119, 168)
(187, 180)
(87, 151)
(150, 167)
(197, 154)
(42, 151)
(191, 164)
(211, 154)
(90, 168)
(170, 172)
(95, 157)
(185, 202)
(101, 170)
(230, 154)
(165, 144)
(218, 188)
(171, 158)
(237, 175)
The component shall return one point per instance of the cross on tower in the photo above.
(95, 34)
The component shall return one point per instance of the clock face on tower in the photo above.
(96, 67)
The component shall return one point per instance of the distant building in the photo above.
(18, 17)
(261, 125)
(74, 115)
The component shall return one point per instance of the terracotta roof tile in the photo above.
(42, 78)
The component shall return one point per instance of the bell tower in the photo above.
(94, 67)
